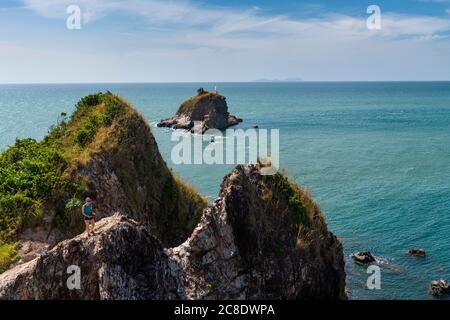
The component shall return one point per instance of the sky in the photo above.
(220, 41)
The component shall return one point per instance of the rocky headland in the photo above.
(206, 110)
(157, 238)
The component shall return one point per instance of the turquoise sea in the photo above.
(376, 156)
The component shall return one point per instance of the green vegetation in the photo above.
(30, 172)
(8, 255)
(40, 179)
(297, 199)
(190, 202)
(113, 107)
(33, 174)
(188, 106)
(50, 178)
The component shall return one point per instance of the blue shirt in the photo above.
(87, 209)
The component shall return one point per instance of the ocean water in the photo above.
(376, 156)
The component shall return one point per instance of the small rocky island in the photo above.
(208, 108)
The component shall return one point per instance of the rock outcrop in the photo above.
(417, 252)
(363, 257)
(263, 238)
(121, 261)
(126, 173)
(440, 288)
(209, 110)
(120, 167)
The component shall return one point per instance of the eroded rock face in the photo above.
(253, 244)
(121, 261)
(439, 288)
(262, 238)
(209, 110)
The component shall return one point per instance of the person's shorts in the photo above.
(88, 218)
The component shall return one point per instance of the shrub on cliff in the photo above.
(48, 177)
(30, 173)
(8, 255)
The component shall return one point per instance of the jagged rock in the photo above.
(363, 257)
(121, 261)
(253, 243)
(439, 288)
(263, 238)
(207, 108)
(417, 252)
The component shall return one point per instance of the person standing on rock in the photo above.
(89, 215)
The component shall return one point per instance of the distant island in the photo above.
(279, 80)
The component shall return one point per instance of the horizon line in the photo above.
(241, 81)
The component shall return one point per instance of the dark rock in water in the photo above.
(363, 257)
(209, 109)
(439, 288)
(417, 252)
(255, 127)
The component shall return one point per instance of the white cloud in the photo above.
(242, 45)
(220, 21)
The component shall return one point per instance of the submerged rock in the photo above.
(363, 257)
(439, 288)
(417, 252)
(209, 109)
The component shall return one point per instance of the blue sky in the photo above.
(211, 40)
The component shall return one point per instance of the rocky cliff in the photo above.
(125, 172)
(263, 237)
(209, 109)
(105, 150)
